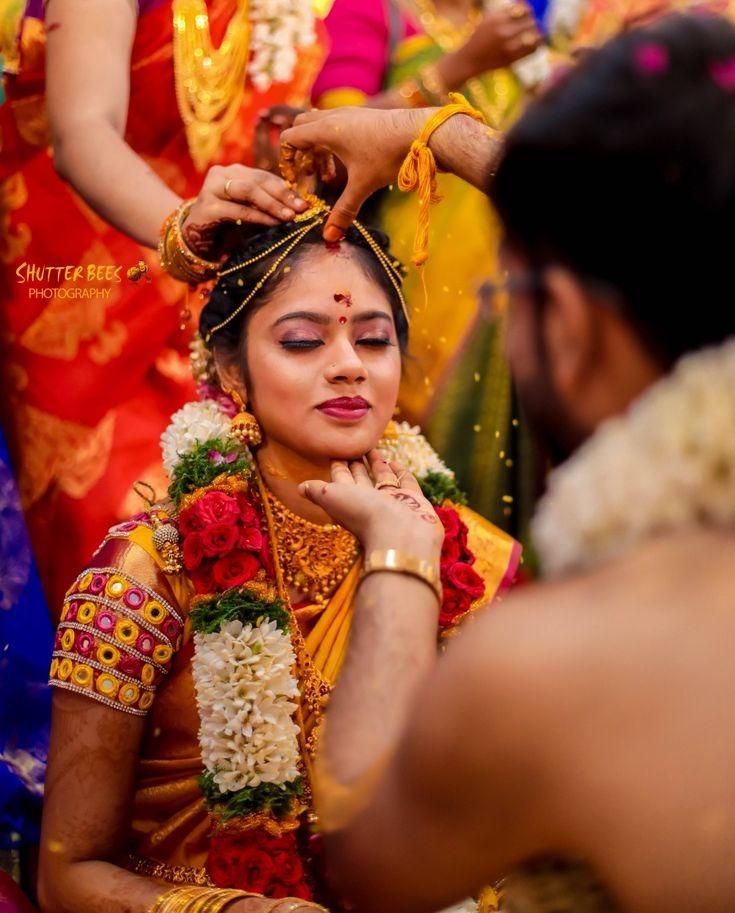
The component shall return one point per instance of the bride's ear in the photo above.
(230, 374)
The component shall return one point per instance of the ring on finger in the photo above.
(227, 194)
(387, 483)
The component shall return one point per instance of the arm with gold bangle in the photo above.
(214, 900)
(176, 256)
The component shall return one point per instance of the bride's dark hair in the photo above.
(232, 288)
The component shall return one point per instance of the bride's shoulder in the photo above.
(122, 620)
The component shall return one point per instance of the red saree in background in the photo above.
(90, 384)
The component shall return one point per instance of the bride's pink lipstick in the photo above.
(345, 408)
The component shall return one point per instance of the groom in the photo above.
(587, 720)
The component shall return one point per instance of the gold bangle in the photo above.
(401, 563)
(432, 85)
(411, 92)
(176, 256)
(190, 899)
(174, 900)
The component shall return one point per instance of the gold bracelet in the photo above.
(176, 256)
(410, 91)
(431, 85)
(190, 899)
(171, 901)
(401, 563)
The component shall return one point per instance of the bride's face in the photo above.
(323, 359)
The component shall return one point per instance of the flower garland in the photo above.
(668, 463)
(245, 657)
(278, 28)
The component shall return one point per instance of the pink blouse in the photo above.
(361, 33)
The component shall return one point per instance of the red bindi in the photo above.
(343, 319)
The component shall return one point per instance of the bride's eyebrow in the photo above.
(371, 315)
(313, 316)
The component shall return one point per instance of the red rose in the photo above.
(450, 520)
(235, 569)
(203, 578)
(239, 862)
(251, 538)
(289, 870)
(193, 551)
(248, 514)
(216, 507)
(454, 604)
(451, 553)
(219, 539)
(466, 578)
(190, 522)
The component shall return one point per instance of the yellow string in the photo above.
(419, 171)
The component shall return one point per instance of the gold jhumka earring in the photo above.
(244, 426)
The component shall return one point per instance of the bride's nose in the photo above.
(345, 365)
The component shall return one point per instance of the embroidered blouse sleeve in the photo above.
(120, 628)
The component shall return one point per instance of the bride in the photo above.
(196, 652)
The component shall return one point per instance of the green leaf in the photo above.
(439, 487)
(196, 469)
(274, 798)
(237, 604)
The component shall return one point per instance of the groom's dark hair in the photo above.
(624, 172)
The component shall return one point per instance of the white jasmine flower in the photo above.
(278, 28)
(669, 462)
(246, 696)
(193, 424)
(411, 448)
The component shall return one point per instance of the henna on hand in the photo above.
(412, 503)
(201, 239)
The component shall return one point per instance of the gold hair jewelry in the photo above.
(314, 559)
(315, 215)
(402, 563)
(244, 426)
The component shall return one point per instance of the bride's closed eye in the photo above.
(375, 341)
(306, 343)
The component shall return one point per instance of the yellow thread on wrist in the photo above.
(418, 170)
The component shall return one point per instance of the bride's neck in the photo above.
(283, 470)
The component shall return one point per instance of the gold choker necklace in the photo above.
(314, 559)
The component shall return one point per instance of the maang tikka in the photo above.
(244, 426)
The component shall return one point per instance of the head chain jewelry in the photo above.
(315, 215)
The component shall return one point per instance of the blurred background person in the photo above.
(114, 114)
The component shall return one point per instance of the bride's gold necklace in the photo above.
(210, 82)
(314, 559)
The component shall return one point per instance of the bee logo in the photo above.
(136, 273)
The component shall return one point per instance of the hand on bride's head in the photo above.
(318, 355)
(382, 504)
